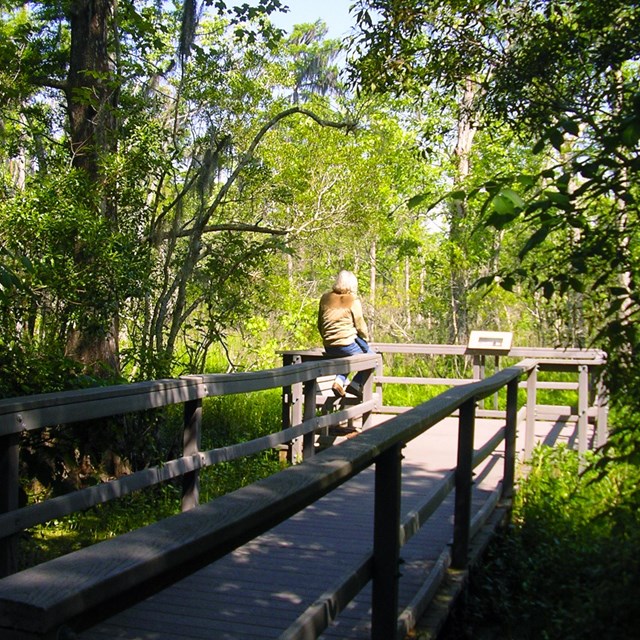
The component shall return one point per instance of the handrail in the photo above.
(26, 413)
(45, 596)
(596, 355)
(60, 506)
(34, 412)
(584, 361)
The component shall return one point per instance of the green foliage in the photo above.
(26, 370)
(228, 476)
(241, 417)
(213, 223)
(409, 395)
(562, 80)
(78, 262)
(569, 566)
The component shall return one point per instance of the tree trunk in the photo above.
(88, 84)
(407, 293)
(466, 132)
(91, 103)
(372, 289)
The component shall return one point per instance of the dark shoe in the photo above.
(338, 389)
(355, 390)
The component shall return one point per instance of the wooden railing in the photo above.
(586, 365)
(30, 413)
(72, 589)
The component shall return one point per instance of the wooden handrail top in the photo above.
(42, 598)
(570, 353)
(549, 363)
(34, 412)
(588, 355)
(60, 506)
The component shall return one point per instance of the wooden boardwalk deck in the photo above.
(259, 590)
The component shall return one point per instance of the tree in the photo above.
(79, 66)
(553, 66)
(402, 51)
(564, 74)
(312, 61)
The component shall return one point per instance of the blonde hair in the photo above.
(346, 282)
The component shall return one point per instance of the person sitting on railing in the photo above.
(343, 328)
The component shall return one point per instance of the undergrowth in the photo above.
(569, 565)
(226, 421)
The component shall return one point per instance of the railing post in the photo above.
(9, 486)
(602, 410)
(478, 366)
(583, 406)
(292, 409)
(295, 446)
(464, 482)
(287, 359)
(510, 436)
(367, 394)
(191, 440)
(386, 544)
(529, 436)
(379, 373)
(308, 440)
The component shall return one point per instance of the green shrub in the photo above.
(239, 418)
(569, 566)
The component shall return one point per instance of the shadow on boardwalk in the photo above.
(260, 589)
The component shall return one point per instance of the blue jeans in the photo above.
(356, 347)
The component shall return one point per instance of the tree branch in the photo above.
(347, 126)
(230, 226)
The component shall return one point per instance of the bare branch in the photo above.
(347, 126)
(230, 226)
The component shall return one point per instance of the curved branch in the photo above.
(230, 226)
(347, 126)
(202, 226)
(179, 285)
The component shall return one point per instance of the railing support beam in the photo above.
(295, 447)
(583, 406)
(309, 392)
(464, 481)
(288, 405)
(191, 440)
(367, 393)
(9, 485)
(510, 437)
(386, 544)
(530, 435)
(602, 409)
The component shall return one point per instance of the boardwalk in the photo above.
(260, 589)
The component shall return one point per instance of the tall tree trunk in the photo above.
(407, 293)
(88, 84)
(458, 329)
(91, 102)
(372, 289)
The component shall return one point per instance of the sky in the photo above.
(335, 14)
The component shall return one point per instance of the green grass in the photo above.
(79, 530)
(411, 395)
